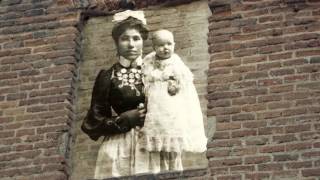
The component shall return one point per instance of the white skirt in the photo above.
(120, 155)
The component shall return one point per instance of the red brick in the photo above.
(224, 63)
(243, 133)
(311, 172)
(223, 118)
(284, 138)
(270, 130)
(221, 135)
(243, 69)
(281, 88)
(296, 78)
(264, 19)
(228, 126)
(306, 136)
(279, 105)
(280, 56)
(298, 128)
(269, 82)
(295, 95)
(257, 59)
(218, 170)
(254, 107)
(224, 79)
(258, 140)
(243, 117)
(312, 68)
(245, 52)
(270, 167)
(268, 66)
(223, 111)
(269, 98)
(293, 112)
(219, 56)
(6, 134)
(256, 75)
(229, 177)
(243, 100)
(257, 176)
(313, 154)
(217, 153)
(272, 149)
(219, 103)
(281, 72)
(243, 84)
(224, 143)
(257, 159)
(304, 53)
(308, 86)
(285, 157)
(289, 174)
(243, 37)
(225, 162)
(255, 91)
(298, 146)
(223, 95)
(24, 132)
(270, 49)
(218, 71)
(269, 114)
(299, 165)
(242, 168)
(244, 151)
(254, 124)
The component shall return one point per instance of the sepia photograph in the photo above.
(159, 89)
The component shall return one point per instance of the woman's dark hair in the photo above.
(130, 23)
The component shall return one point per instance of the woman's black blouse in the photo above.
(118, 88)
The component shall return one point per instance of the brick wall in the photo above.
(38, 61)
(99, 52)
(264, 89)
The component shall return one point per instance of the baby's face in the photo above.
(163, 45)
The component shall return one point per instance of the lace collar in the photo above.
(127, 63)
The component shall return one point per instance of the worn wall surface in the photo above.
(263, 88)
(189, 23)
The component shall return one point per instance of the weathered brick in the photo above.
(254, 124)
(257, 159)
(244, 100)
(298, 146)
(228, 126)
(285, 157)
(284, 138)
(270, 167)
(243, 133)
(256, 75)
(298, 165)
(243, 117)
(311, 172)
(272, 149)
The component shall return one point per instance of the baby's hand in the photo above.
(173, 87)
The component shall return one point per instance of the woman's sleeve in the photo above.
(99, 120)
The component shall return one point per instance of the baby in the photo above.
(174, 120)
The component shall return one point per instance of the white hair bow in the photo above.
(118, 17)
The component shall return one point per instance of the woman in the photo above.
(121, 89)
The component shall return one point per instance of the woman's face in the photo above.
(130, 44)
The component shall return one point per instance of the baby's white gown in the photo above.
(173, 123)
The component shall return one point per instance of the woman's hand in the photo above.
(131, 119)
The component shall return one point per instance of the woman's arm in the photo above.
(99, 120)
